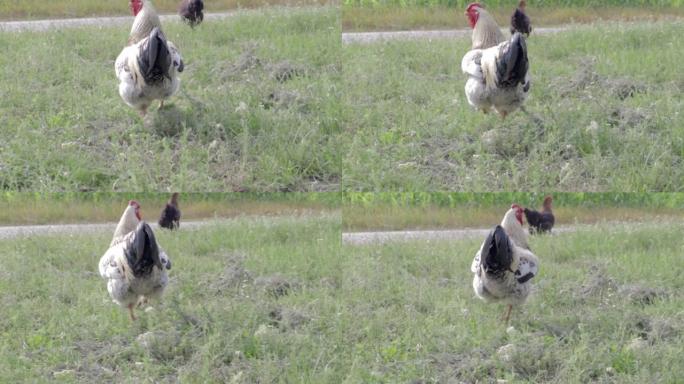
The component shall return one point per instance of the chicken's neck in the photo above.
(486, 33)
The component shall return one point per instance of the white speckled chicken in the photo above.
(134, 266)
(148, 67)
(503, 270)
(496, 68)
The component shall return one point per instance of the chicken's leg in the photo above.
(508, 313)
(142, 302)
(130, 311)
(161, 104)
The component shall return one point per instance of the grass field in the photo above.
(604, 114)
(386, 17)
(254, 299)
(278, 300)
(257, 110)
(66, 208)
(426, 210)
(36, 9)
(386, 218)
(605, 309)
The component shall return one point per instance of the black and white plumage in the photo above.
(503, 270)
(148, 70)
(498, 76)
(148, 67)
(134, 266)
(171, 214)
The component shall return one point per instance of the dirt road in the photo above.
(373, 37)
(363, 238)
(43, 25)
(73, 229)
(347, 37)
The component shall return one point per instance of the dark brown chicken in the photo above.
(519, 20)
(171, 214)
(541, 221)
(190, 11)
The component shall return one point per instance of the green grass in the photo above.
(386, 218)
(382, 314)
(424, 210)
(219, 317)
(416, 318)
(35, 9)
(492, 199)
(412, 17)
(64, 208)
(513, 3)
(604, 115)
(233, 125)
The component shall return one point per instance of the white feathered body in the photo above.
(137, 87)
(132, 87)
(506, 287)
(484, 89)
(124, 288)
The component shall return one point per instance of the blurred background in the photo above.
(36, 9)
(368, 15)
(17, 208)
(437, 210)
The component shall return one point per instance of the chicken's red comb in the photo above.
(136, 6)
(515, 206)
(474, 5)
(134, 203)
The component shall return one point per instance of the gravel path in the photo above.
(364, 238)
(43, 25)
(347, 37)
(373, 37)
(71, 229)
(350, 238)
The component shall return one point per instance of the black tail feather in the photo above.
(155, 58)
(513, 65)
(520, 22)
(497, 254)
(142, 252)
